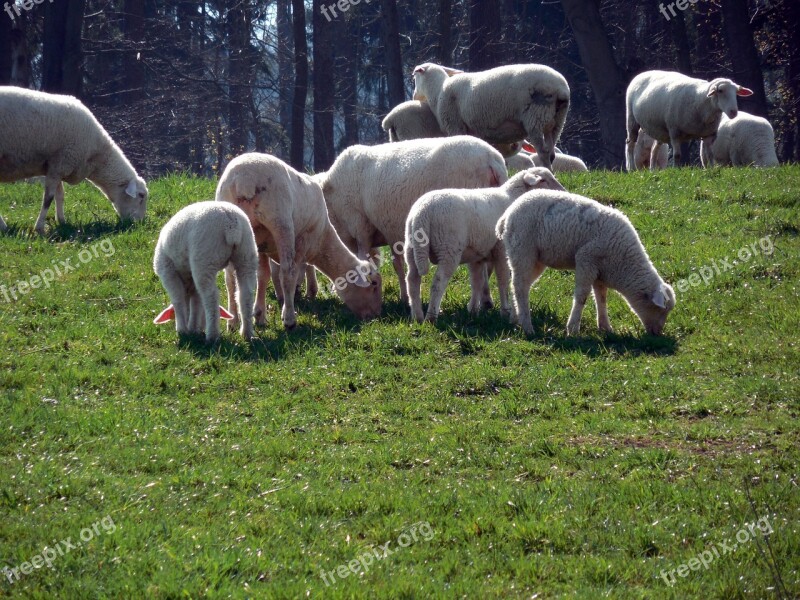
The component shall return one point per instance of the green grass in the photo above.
(564, 467)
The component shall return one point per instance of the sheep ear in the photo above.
(712, 91)
(451, 71)
(532, 179)
(744, 92)
(420, 69)
(166, 315)
(363, 282)
(131, 190)
(659, 298)
(528, 147)
(225, 314)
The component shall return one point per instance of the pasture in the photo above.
(542, 467)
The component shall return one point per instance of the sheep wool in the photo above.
(196, 244)
(59, 138)
(369, 190)
(744, 141)
(644, 158)
(566, 231)
(452, 227)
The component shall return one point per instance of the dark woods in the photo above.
(185, 85)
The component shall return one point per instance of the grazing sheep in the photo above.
(644, 156)
(370, 189)
(674, 108)
(196, 244)
(57, 137)
(505, 104)
(291, 225)
(414, 120)
(566, 231)
(745, 141)
(310, 275)
(451, 227)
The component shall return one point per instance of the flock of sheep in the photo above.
(438, 193)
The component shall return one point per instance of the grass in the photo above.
(544, 467)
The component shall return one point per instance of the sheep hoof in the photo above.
(289, 326)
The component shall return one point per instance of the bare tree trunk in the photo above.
(709, 41)
(791, 12)
(485, 33)
(284, 42)
(348, 83)
(744, 56)
(5, 50)
(240, 90)
(62, 55)
(606, 78)
(133, 65)
(300, 84)
(445, 49)
(394, 60)
(680, 40)
(324, 98)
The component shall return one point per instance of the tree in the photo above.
(394, 60)
(445, 46)
(485, 33)
(744, 56)
(62, 52)
(324, 95)
(284, 55)
(5, 51)
(300, 84)
(240, 76)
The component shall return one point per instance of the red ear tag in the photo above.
(166, 315)
(225, 314)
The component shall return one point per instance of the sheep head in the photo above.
(129, 199)
(724, 93)
(535, 178)
(652, 307)
(363, 291)
(428, 81)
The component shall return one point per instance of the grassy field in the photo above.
(495, 466)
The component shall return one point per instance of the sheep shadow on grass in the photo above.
(70, 231)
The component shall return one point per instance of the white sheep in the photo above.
(744, 141)
(414, 120)
(674, 108)
(370, 189)
(563, 163)
(59, 138)
(645, 158)
(566, 231)
(290, 220)
(504, 104)
(520, 161)
(456, 226)
(196, 244)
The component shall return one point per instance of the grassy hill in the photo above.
(495, 466)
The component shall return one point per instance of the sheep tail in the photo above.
(498, 174)
(500, 228)
(421, 252)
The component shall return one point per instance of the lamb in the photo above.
(288, 214)
(520, 162)
(504, 104)
(674, 108)
(563, 163)
(58, 137)
(566, 231)
(745, 141)
(415, 120)
(645, 158)
(450, 227)
(196, 244)
(369, 190)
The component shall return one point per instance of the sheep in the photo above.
(566, 231)
(645, 158)
(196, 244)
(450, 227)
(504, 104)
(674, 108)
(520, 161)
(58, 137)
(415, 120)
(563, 163)
(370, 189)
(288, 214)
(744, 141)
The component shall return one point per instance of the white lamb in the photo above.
(57, 137)
(520, 162)
(745, 141)
(370, 189)
(566, 231)
(674, 108)
(414, 120)
(563, 163)
(459, 227)
(505, 104)
(196, 244)
(288, 214)
(645, 158)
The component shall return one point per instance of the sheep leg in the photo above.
(284, 237)
(547, 154)
(480, 296)
(312, 286)
(208, 293)
(3, 226)
(654, 155)
(60, 203)
(584, 279)
(521, 281)
(397, 263)
(230, 287)
(600, 298)
(276, 280)
(176, 290)
(50, 186)
(503, 278)
(414, 285)
(444, 272)
(260, 310)
(196, 317)
(246, 284)
(486, 293)
(630, 144)
(677, 154)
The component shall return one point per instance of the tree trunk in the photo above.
(394, 60)
(324, 95)
(348, 83)
(133, 65)
(791, 12)
(710, 41)
(680, 40)
(606, 78)
(240, 90)
(284, 52)
(5, 50)
(62, 56)
(300, 83)
(744, 56)
(485, 32)
(445, 48)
